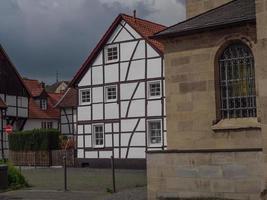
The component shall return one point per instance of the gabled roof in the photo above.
(69, 99)
(34, 87)
(35, 112)
(53, 87)
(2, 104)
(143, 27)
(4, 54)
(234, 12)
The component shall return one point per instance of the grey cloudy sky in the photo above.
(45, 36)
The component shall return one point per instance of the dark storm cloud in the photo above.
(45, 36)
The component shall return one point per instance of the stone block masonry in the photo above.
(225, 174)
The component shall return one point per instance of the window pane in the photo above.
(237, 82)
(85, 96)
(154, 128)
(154, 89)
(111, 93)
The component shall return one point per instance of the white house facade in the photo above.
(121, 97)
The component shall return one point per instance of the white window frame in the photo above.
(43, 104)
(106, 53)
(94, 136)
(80, 96)
(150, 144)
(106, 93)
(149, 91)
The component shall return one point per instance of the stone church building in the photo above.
(216, 92)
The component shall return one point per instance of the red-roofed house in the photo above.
(42, 113)
(121, 97)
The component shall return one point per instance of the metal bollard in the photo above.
(3, 177)
(113, 174)
(65, 173)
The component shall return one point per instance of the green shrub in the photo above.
(15, 179)
(34, 140)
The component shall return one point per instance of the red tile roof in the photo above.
(35, 112)
(143, 27)
(69, 100)
(146, 29)
(34, 87)
(2, 104)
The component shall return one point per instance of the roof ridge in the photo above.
(145, 20)
(201, 14)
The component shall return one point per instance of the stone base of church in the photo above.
(222, 174)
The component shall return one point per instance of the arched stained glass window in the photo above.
(237, 82)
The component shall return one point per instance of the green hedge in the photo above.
(15, 179)
(34, 140)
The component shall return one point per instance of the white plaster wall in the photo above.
(127, 90)
(111, 111)
(151, 52)
(112, 37)
(137, 70)
(127, 50)
(112, 73)
(137, 108)
(37, 124)
(154, 108)
(154, 68)
(97, 94)
(86, 80)
(123, 36)
(97, 111)
(140, 52)
(137, 153)
(84, 113)
(97, 75)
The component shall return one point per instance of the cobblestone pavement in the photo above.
(131, 194)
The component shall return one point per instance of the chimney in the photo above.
(43, 85)
(134, 14)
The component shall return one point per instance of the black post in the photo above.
(113, 174)
(65, 173)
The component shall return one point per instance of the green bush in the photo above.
(15, 179)
(34, 140)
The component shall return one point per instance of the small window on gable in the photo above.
(112, 53)
(98, 136)
(154, 132)
(111, 93)
(154, 89)
(85, 96)
(237, 82)
(43, 104)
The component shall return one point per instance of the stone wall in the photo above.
(226, 175)
(261, 70)
(196, 7)
(190, 63)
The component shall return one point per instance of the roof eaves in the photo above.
(202, 29)
(15, 70)
(95, 51)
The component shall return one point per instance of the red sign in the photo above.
(8, 129)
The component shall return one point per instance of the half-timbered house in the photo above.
(13, 100)
(68, 113)
(121, 97)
